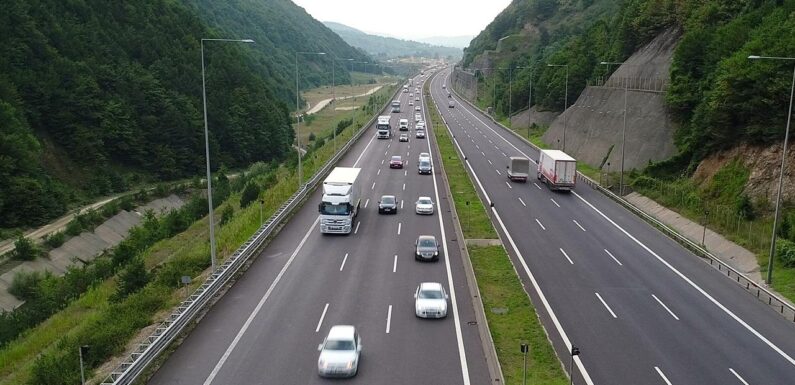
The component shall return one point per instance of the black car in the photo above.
(387, 205)
(426, 248)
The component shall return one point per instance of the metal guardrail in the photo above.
(143, 355)
(761, 293)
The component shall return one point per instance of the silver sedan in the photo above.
(430, 300)
(424, 205)
(339, 352)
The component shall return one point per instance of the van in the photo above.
(451, 104)
(404, 124)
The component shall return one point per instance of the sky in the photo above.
(408, 19)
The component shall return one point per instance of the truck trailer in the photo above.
(557, 169)
(340, 202)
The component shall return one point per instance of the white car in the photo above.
(417, 117)
(425, 156)
(411, 103)
(424, 205)
(430, 300)
(420, 134)
(340, 351)
(417, 108)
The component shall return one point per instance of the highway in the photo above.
(641, 308)
(266, 328)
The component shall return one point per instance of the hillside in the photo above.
(388, 47)
(97, 97)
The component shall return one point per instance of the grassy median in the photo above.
(499, 285)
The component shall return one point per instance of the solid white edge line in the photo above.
(523, 204)
(694, 285)
(553, 201)
(256, 310)
(662, 375)
(666, 307)
(567, 256)
(394, 265)
(320, 321)
(451, 287)
(578, 224)
(343, 261)
(607, 307)
(388, 319)
(614, 258)
(550, 312)
(738, 376)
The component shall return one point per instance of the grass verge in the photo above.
(498, 282)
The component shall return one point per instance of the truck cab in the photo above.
(340, 202)
(384, 127)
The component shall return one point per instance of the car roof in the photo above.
(431, 286)
(421, 237)
(428, 198)
(341, 332)
(396, 157)
(387, 196)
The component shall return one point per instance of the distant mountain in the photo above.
(388, 46)
(449, 41)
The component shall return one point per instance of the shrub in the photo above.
(25, 285)
(25, 249)
(74, 227)
(744, 207)
(226, 214)
(785, 249)
(250, 194)
(131, 279)
(54, 240)
(312, 136)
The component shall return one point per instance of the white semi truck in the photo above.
(340, 202)
(557, 169)
(384, 127)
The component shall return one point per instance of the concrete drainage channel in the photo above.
(146, 352)
(761, 293)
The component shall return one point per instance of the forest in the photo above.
(98, 97)
(719, 97)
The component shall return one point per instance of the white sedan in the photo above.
(417, 108)
(339, 352)
(430, 300)
(424, 205)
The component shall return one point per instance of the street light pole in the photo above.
(623, 130)
(783, 163)
(298, 114)
(207, 149)
(565, 101)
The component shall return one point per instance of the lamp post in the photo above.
(82, 351)
(623, 130)
(525, 348)
(575, 351)
(207, 149)
(334, 92)
(783, 163)
(565, 100)
(298, 114)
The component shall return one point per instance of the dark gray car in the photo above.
(426, 248)
(387, 205)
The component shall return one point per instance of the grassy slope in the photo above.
(498, 281)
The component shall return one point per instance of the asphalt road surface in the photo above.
(267, 327)
(641, 308)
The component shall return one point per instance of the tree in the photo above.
(25, 249)
(250, 194)
(131, 279)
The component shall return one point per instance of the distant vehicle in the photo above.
(411, 103)
(420, 125)
(387, 205)
(444, 86)
(424, 166)
(424, 205)
(451, 104)
(557, 169)
(417, 117)
(426, 248)
(420, 134)
(449, 95)
(417, 99)
(339, 352)
(417, 108)
(518, 168)
(425, 156)
(430, 300)
(396, 162)
(405, 88)
(396, 106)
(404, 137)
(411, 95)
(403, 124)
(384, 127)
(340, 201)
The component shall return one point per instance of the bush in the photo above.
(74, 227)
(250, 194)
(226, 214)
(312, 136)
(25, 249)
(54, 240)
(131, 279)
(25, 285)
(343, 124)
(785, 249)
(744, 207)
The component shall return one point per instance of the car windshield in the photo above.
(424, 201)
(427, 243)
(388, 200)
(339, 345)
(396, 159)
(332, 209)
(425, 164)
(431, 294)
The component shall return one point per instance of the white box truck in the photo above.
(396, 106)
(518, 168)
(557, 169)
(384, 127)
(340, 202)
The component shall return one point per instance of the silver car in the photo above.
(430, 300)
(339, 352)
(424, 205)
(426, 248)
